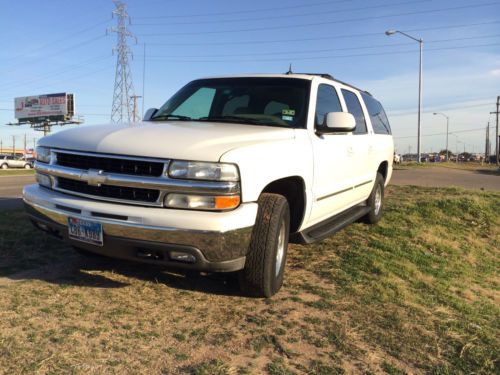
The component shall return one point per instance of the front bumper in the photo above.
(217, 240)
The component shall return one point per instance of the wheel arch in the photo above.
(383, 169)
(293, 189)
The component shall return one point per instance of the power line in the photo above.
(293, 58)
(325, 22)
(432, 135)
(329, 49)
(69, 36)
(55, 73)
(280, 17)
(408, 112)
(254, 10)
(267, 41)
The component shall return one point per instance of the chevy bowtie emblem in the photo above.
(96, 177)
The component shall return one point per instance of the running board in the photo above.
(330, 226)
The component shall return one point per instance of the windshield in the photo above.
(255, 101)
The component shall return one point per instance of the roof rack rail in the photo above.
(329, 76)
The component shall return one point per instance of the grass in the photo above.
(417, 293)
(17, 172)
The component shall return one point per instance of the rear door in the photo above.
(363, 163)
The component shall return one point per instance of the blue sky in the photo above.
(62, 46)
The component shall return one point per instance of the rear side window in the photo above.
(354, 108)
(380, 123)
(327, 101)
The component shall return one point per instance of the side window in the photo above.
(379, 120)
(197, 105)
(354, 108)
(327, 101)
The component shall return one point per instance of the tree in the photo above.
(443, 152)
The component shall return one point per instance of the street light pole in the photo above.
(447, 132)
(420, 81)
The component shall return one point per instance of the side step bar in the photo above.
(330, 226)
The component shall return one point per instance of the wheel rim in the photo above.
(280, 253)
(378, 199)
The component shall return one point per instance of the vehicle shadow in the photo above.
(10, 203)
(101, 273)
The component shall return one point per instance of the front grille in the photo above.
(108, 191)
(113, 165)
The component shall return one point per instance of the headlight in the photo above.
(43, 154)
(202, 202)
(194, 170)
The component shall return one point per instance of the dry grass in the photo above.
(417, 293)
(17, 172)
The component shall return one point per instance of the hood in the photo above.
(204, 141)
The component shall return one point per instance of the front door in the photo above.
(333, 159)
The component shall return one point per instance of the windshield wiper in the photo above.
(171, 117)
(242, 120)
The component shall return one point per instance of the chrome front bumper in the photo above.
(214, 249)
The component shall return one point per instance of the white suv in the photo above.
(221, 177)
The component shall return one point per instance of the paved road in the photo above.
(446, 177)
(11, 189)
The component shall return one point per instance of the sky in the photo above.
(67, 46)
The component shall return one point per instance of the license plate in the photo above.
(85, 231)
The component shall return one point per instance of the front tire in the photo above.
(266, 259)
(5, 166)
(27, 166)
(375, 201)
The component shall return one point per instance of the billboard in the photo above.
(50, 107)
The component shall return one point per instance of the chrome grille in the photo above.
(108, 191)
(110, 164)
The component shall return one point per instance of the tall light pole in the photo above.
(420, 74)
(447, 129)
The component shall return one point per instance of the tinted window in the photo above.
(327, 101)
(197, 105)
(252, 101)
(380, 123)
(354, 108)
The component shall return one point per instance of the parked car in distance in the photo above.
(221, 177)
(9, 161)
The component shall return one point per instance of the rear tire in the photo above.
(5, 166)
(266, 258)
(27, 166)
(375, 201)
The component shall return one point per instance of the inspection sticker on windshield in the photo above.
(287, 114)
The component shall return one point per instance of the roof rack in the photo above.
(330, 77)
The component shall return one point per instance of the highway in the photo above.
(11, 190)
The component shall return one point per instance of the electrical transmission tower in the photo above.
(122, 109)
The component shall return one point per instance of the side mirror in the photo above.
(149, 114)
(340, 122)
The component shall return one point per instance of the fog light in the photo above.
(182, 257)
(202, 202)
(44, 180)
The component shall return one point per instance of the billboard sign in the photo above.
(51, 107)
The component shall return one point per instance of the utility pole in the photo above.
(497, 141)
(486, 150)
(135, 115)
(24, 146)
(14, 145)
(121, 110)
(1, 146)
